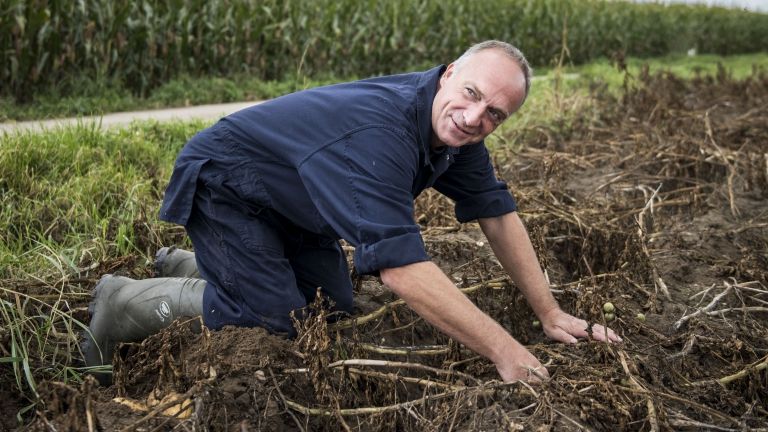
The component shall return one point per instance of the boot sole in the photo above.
(92, 356)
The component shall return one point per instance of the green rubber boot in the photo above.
(128, 310)
(174, 262)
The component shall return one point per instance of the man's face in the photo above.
(475, 98)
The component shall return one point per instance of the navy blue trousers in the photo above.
(260, 266)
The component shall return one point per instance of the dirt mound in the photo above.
(655, 202)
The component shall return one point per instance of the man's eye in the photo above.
(496, 116)
(471, 93)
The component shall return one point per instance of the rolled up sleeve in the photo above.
(390, 253)
(484, 205)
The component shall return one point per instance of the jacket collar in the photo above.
(425, 96)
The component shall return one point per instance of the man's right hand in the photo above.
(520, 364)
(430, 293)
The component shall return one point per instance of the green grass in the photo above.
(77, 202)
(684, 66)
(70, 188)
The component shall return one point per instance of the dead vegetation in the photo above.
(657, 204)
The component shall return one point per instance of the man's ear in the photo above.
(448, 72)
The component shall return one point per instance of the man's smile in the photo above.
(459, 128)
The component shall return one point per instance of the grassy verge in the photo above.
(78, 202)
(95, 98)
(67, 190)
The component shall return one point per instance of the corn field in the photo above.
(143, 43)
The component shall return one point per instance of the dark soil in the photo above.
(656, 202)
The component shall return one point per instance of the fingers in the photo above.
(568, 328)
(604, 334)
(529, 374)
(536, 374)
(521, 365)
(582, 328)
(597, 332)
(567, 331)
(561, 335)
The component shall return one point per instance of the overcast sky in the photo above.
(755, 5)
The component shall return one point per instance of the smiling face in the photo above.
(475, 97)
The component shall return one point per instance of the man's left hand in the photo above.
(564, 327)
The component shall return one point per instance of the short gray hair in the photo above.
(510, 50)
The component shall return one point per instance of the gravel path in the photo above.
(203, 112)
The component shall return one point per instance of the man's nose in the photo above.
(473, 114)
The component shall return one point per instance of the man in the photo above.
(266, 193)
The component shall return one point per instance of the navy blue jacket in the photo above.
(346, 161)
